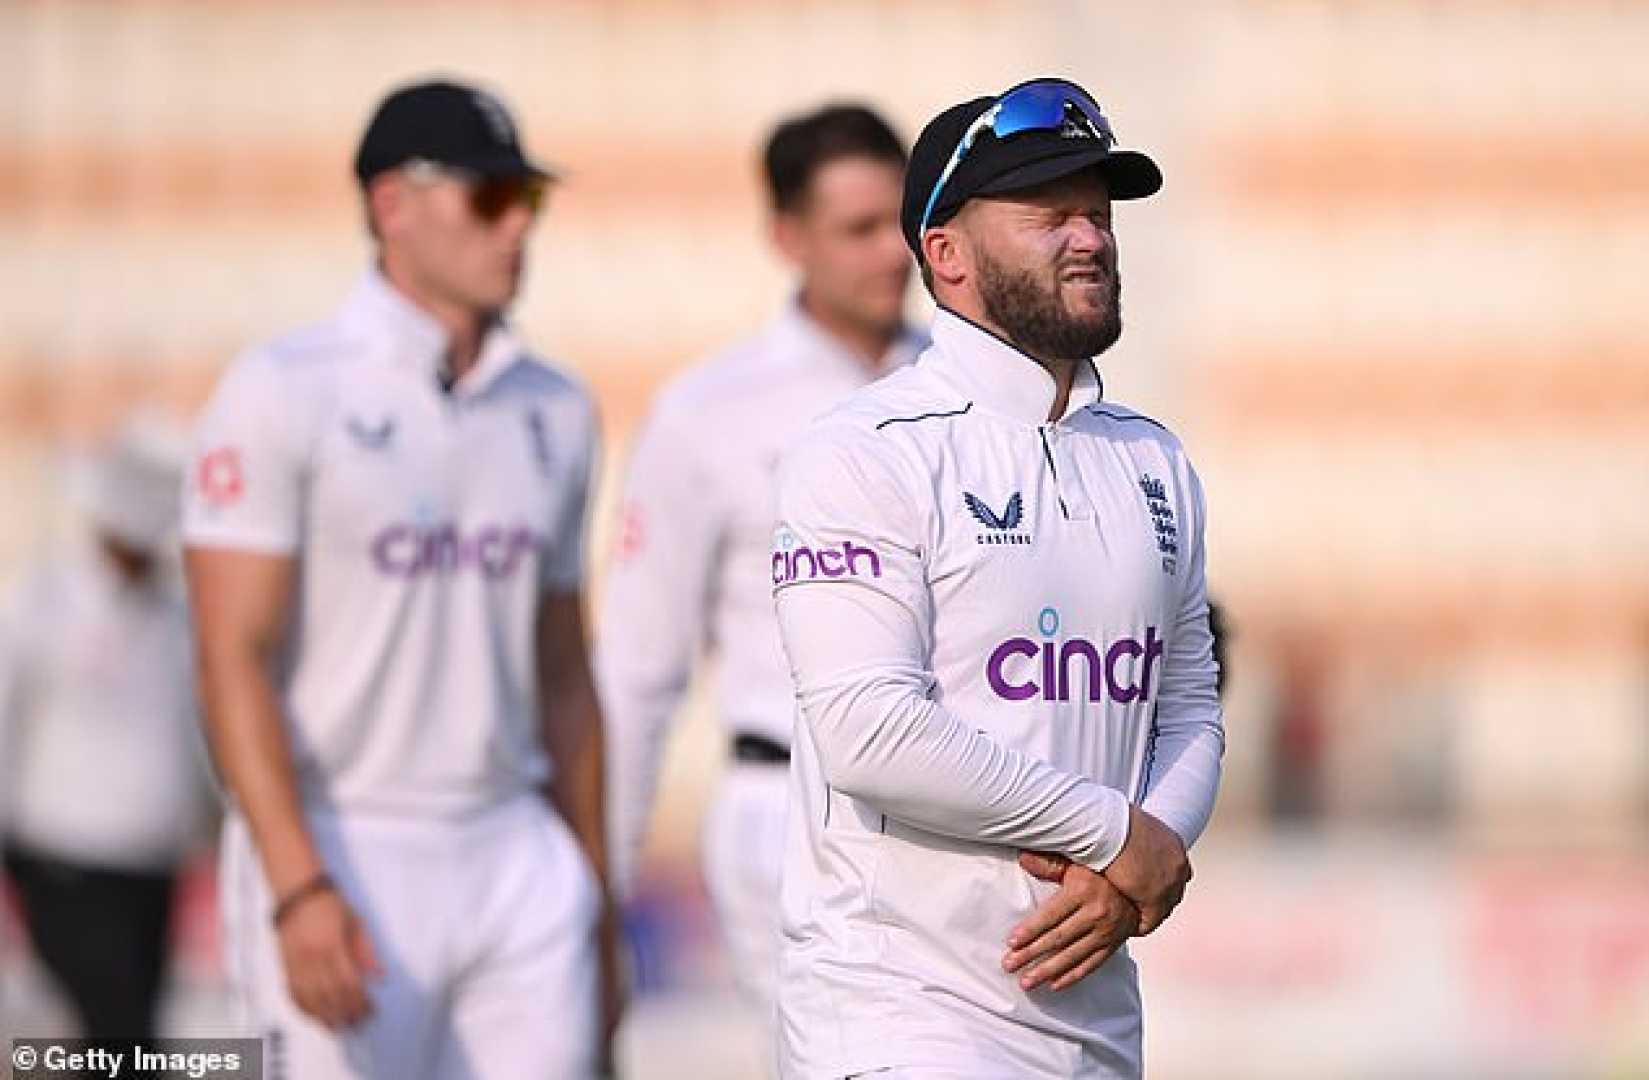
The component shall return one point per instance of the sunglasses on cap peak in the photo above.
(490, 197)
(1039, 105)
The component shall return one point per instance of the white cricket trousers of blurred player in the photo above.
(483, 926)
(744, 835)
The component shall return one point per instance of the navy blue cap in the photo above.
(448, 123)
(995, 166)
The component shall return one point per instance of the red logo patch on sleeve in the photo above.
(219, 478)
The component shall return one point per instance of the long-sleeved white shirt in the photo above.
(688, 581)
(997, 628)
(100, 757)
(426, 526)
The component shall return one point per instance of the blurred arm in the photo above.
(240, 602)
(653, 615)
(568, 711)
(242, 509)
(570, 719)
(205, 786)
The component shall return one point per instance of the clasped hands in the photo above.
(1088, 918)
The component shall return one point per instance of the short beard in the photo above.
(1033, 318)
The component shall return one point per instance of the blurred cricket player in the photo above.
(103, 787)
(990, 586)
(689, 581)
(383, 535)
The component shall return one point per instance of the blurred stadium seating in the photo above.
(1392, 296)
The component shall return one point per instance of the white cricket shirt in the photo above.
(101, 761)
(997, 627)
(426, 524)
(689, 577)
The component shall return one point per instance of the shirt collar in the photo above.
(412, 337)
(799, 331)
(999, 377)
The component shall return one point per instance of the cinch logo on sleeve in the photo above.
(793, 563)
(1021, 668)
(408, 551)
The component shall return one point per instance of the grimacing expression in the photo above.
(846, 241)
(1046, 263)
(454, 251)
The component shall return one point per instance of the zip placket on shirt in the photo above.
(1073, 504)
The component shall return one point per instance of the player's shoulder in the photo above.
(1115, 420)
(909, 404)
(547, 384)
(727, 376)
(877, 427)
(306, 357)
(323, 342)
(542, 376)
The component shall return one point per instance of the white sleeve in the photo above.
(654, 611)
(244, 486)
(858, 633)
(1188, 732)
(562, 565)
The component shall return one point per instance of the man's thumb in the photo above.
(1043, 866)
(365, 955)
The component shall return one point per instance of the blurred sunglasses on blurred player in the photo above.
(1040, 105)
(490, 197)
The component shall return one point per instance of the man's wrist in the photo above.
(1115, 819)
(286, 851)
(300, 894)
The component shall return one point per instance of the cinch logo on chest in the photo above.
(1121, 671)
(999, 528)
(408, 551)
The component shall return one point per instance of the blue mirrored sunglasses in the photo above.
(1041, 105)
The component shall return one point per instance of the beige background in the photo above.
(1393, 296)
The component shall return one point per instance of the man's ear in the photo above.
(789, 236)
(385, 203)
(948, 254)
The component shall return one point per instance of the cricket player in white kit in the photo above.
(384, 548)
(990, 586)
(689, 579)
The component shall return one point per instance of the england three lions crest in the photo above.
(1163, 522)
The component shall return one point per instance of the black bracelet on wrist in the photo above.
(321, 882)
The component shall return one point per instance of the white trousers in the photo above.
(744, 837)
(485, 929)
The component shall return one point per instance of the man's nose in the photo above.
(516, 220)
(1088, 235)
